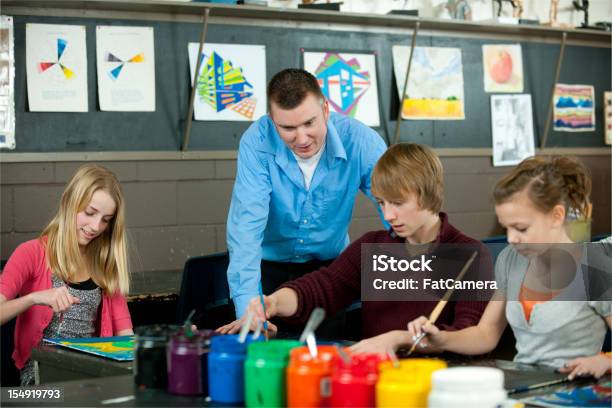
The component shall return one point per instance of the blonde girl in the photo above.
(71, 280)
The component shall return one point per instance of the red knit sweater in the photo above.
(338, 285)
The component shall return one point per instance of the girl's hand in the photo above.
(381, 344)
(59, 299)
(421, 325)
(595, 365)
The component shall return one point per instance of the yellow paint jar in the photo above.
(407, 385)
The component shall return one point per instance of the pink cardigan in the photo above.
(25, 272)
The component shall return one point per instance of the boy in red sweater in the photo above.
(407, 183)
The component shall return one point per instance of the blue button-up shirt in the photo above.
(273, 217)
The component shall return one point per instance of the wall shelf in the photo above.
(189, 11)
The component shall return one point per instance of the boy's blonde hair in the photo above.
(410, 168)
(106, 255)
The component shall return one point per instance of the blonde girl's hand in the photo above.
(58, 299)
(584, 366)
(421, 325)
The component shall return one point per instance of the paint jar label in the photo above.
(325, 387)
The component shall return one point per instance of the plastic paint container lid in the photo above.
(462, 379)
(360, 364)
(415, 366)
(229, 344)
(467, 387)
(325, 355)
(272, 350)
(152, 334)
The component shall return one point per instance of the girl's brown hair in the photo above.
(549, 182)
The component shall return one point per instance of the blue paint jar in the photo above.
(226, 368)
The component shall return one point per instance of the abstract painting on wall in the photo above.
(503, 68)
(126, 68)
(608, 116)
(348, 81)
(56, 67)
(574, 108)
(435, 86)
(120, 348)
(231, 84)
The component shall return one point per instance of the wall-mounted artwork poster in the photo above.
(435, 86)
(7, 83)
(126, 68)
(574, 108)
(56, 67)
(232, 81)
(512, 129)
(348, 81)
(503, 68)
(608, 116)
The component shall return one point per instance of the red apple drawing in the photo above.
(500, 67)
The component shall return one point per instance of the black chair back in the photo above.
(204, 288)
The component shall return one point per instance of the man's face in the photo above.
(303, 128)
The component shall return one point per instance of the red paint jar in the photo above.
(353, 383)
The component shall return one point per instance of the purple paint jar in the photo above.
(184, 355)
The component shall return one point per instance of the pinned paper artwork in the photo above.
(7, 83)
(126, 68)
(56, 68)
(574, 108)
(503, 68)
(435, 86)
(120, 348)
(348, 81)
(512, 128)
(608, 116)
(231, 83)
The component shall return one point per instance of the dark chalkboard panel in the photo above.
(162, 130)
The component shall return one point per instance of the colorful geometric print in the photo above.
(342, 82)
(120, 348)
(222, 86)
(114, 73)
(61, 47)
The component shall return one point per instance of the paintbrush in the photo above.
(538, 385)
(245, 328)
(263, 305)
(315, 319)
(187, 325)
(442, 303)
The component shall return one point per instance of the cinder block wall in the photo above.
(178, 209)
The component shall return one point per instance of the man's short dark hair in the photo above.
(289, 87)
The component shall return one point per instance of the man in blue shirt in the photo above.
(299, 171)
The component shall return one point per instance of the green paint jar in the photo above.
(264, 373)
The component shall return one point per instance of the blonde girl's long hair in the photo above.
(106, 255)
